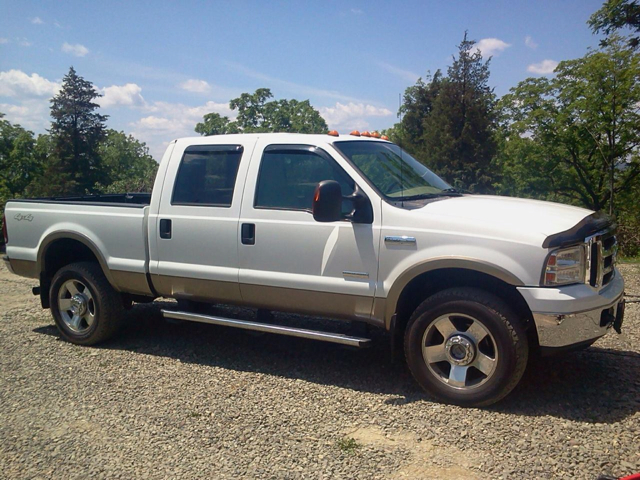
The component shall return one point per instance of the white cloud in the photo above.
(57, 24)
(404, 74)
(356, 11)
(351, 115)
(32, 113)
(128, 95)
(17, 83)
(76, 49)
(167, 121)
(37, 21)
(23, 42)
(545, 67)
(195, 86)
(528, 41)
(4, 40)
(491, 46)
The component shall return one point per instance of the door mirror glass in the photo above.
(327, 202)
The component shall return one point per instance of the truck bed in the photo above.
(113, 226)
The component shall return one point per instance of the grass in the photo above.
(194, 415)
(348, 445)
(631, 260)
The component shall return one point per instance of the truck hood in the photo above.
(519, 219)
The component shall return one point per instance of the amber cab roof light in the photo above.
(355, 133)
(333, 133)
(365, 134)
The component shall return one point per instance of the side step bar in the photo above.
(265, 327)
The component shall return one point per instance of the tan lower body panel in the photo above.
(197, 289)
(24, 268)
(308, 302)
(131, 282)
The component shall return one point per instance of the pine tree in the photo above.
(76, 130)
(458, 140)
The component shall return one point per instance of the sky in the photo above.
(161, 65)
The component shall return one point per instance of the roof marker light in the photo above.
(375, 134)
(355, 133)
(384, 137)
(365, 134)
(333, 133)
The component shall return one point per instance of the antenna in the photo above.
(401, 150)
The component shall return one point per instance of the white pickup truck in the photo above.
(342, 226)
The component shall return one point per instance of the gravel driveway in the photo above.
(190, 400)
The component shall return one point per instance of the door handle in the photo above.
(165, 228)
(248, 236)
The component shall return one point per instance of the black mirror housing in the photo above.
(327, 202)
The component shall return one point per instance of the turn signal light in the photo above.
(355, 133)
(333, 133)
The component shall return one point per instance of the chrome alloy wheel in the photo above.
(76, 305)
(459, 351)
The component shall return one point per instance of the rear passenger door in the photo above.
(288, 261)
(197, 225)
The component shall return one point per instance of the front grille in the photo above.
(602, 248)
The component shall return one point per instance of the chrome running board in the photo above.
(268, 328)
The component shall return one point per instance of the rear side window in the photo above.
(207, 175)
(288, 178)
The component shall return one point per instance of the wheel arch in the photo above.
(63, 248)
(420, 282)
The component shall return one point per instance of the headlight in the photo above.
(565, 266)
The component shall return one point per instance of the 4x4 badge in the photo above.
(19, 217)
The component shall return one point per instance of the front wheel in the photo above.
(86, 308)
(466, 346)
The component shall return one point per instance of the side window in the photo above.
(207, 175)
(288, 179)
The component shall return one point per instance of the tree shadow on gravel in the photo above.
(597, 385)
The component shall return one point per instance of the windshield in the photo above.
(395, 173)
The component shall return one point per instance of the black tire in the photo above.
(105, 304)
(504, 345)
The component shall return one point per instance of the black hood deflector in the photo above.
(587, 226)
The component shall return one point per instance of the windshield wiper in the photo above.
(450, 192)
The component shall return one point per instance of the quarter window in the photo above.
(207, 175)
(288, 179)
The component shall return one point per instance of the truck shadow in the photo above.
(594, 386)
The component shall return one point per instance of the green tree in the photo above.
(255, 114)
(575, 137)
(77, 130)
(126, 164)
(19, 164)
(449, 121)
(216, 124)
(417, 105)
(615, 15)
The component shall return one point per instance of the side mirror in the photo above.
(327, 202)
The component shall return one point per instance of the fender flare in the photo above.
(79, 237)
(442, 263)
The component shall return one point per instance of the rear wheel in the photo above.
(86, 308)
(466, 346)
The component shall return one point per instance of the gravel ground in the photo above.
(189, 400)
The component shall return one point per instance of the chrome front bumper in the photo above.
(575, 314)
(562, 330)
